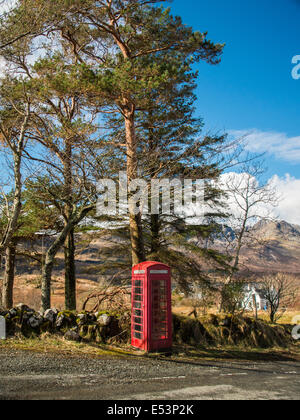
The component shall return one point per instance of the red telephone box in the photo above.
(151, 326)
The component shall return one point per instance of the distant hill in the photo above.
(278, 230)
(276, 248)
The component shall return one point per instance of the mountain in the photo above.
(280, 230)
(276, 247)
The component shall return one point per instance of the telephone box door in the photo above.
(138, 333)
(160, 312)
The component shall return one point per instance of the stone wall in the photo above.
(100, 327)
(105, 327)
(216, 331)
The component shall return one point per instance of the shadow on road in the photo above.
(232, 359)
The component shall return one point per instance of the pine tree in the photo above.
(172, 145)
(117, 46)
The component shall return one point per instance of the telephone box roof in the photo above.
(147, 264)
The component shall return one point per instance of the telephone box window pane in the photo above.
(138, 328)
(137, 305)
(138, 313)
(138, 298)
(138, 283)
(138, 291)
(138, 335)
(138, 320)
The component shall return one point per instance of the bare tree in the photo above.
(250, 199)
(203, 299)
(280, 292)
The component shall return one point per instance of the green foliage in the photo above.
(101, 62)
(216, 331)
(232, 297)
(37, 213)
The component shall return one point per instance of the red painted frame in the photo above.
(145, 278)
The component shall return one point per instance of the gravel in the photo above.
(30, 375)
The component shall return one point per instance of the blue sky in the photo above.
(252, 90)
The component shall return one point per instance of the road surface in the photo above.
(29, 375)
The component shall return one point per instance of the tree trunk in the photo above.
(255, 306)
(273, 312)
(53, 250)
(155, 238)
(46, 282)
(155, 218)
(12, 225)
(135, 220)
(239, 244)
(9, 277)
(70, 273)
(128, 111)
(48, 266)
(17, 150)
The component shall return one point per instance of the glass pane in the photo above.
(138, 335)
(138, 328)
(138, 320)
(138, 312)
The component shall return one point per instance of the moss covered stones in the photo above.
(75, 326)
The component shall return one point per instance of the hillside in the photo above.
(276, 248)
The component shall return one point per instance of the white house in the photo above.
(254, 294)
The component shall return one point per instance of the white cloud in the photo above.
(277, 144)
(289, 189)
(6, 5)
(245, 193)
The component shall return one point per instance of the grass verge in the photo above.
(52, 345)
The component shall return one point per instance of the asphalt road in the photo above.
(28, 375)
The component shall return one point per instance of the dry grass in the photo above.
(27, 290)
(286, 319)
(51, 344)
